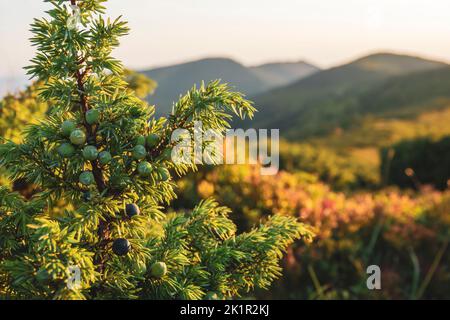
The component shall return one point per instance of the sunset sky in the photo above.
(324, 32)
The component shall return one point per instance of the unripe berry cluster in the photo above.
(77, 140)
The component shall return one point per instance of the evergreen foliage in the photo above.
(81, 215)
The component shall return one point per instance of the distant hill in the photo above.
(403, 107)
(177, 79)
(331, 99)
(284, 73)
(408, 95)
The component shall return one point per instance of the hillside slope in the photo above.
(332, 98)
(404, 107)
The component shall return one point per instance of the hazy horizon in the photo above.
(324, 33)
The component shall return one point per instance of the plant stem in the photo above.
(416, 273)
(102, 231)
(315, 281)
(432, 270)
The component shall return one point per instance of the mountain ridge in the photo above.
(175, 80)
(311, 105)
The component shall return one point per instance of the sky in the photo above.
(323, 32)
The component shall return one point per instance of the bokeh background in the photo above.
(360, 91)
